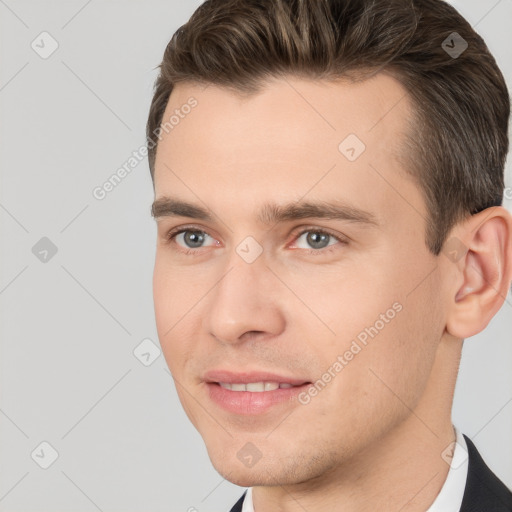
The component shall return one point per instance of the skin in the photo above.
(376, 432)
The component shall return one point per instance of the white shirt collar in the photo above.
(449, 498)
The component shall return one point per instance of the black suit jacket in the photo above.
(484, 492)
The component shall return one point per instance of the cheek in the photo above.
(350, 300)
(398, 361)
(175, 292)
(160, 285)
(387, 326)
(172, 301)
(366, 398)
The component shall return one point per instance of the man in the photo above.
(328, 177)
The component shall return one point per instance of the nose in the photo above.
(245, 303)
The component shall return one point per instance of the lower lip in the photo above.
(252, 402)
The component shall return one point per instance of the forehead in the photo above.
(292, 138)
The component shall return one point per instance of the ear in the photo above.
(481, 251)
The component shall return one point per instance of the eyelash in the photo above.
(173, 233)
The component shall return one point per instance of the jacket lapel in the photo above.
(484, 492)
(238, 505)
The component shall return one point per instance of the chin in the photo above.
(252, 477)
(266, 473)
(235, 472)
(241, 479)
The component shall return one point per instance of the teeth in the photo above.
(256, 387)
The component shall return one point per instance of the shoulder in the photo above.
(484, 491)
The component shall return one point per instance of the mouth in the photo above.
(252, 393)
(255, 387)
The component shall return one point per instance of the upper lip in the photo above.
(250, 376)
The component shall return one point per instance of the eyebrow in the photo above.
(270, 213)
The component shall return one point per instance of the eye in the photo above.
(316, 239)
(190, 238)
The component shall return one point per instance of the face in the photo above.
(291, 252)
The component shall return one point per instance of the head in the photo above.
(328, 204)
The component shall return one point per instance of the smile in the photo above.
(256, 387)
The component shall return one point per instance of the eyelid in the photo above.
(185, 227)
(171, 234)
(317, 229)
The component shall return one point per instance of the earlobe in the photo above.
(484, 273)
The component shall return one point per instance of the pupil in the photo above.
(194, 238)
(318, 240)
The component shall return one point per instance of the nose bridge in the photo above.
(242, 299)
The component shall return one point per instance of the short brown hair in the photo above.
(460, 142)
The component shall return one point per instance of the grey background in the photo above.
(69, 325)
